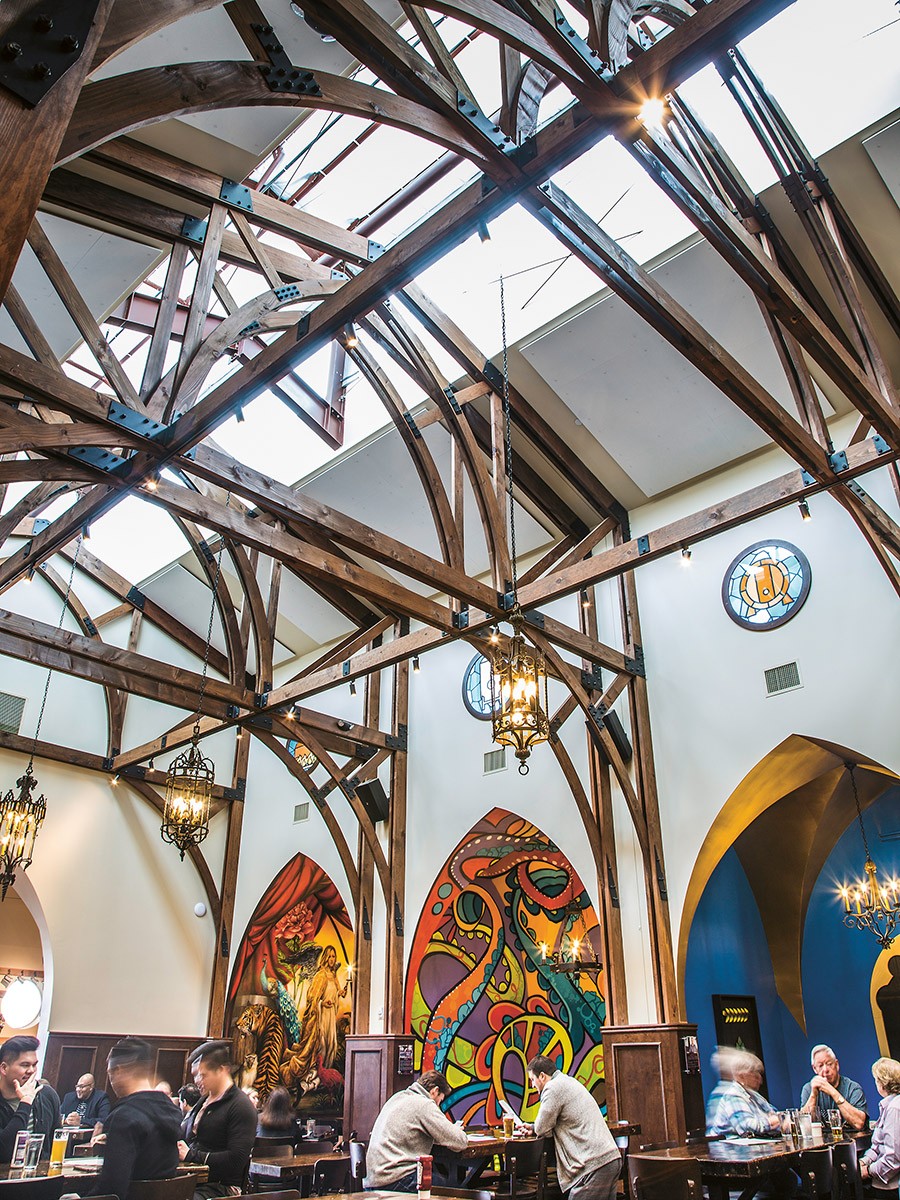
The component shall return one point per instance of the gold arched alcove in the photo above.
(783, 820)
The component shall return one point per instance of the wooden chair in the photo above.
(179, 1187)
(272, 1145)
(47, 1188)
(523, 1161)
(664, 1180)
(816, 1173)
(358, 1165)
(844, 1159)
(330, 1175)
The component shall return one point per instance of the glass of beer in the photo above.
(508, 1126)
(58, 1151)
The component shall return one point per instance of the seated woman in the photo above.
(277, 1115)
(880, 1165)
(735, 1106)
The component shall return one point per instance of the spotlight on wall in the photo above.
(804, 510)
(352, 687)
(685, 555)
(416, 667)
(152, 482)
(585, 598)
(297, 10)
(349, 338)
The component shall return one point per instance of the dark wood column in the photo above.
(396, 916)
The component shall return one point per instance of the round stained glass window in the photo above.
(476, 688)
(766, 585)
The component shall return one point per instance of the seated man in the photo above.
(220, 1129)
(829, 1089)
(588, 1162)
(44, 1111)
(142, 1130)
(85, 1106)
(18, 1085)
(408, 1126)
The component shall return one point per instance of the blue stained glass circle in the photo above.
(476, 688)
(766, 585)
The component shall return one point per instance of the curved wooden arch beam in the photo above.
(121, 104)
(114, 705)
(569, 676)
(234, 648)
(426, 468)
(618, 15)
(280, 750)
(531, 87)
(148, 793)
(259, 621)
(42, 470)
(493, 519)
(32, 504)
(230, 329)
(132, 20)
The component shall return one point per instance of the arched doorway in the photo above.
(25, 952)
(763, 917)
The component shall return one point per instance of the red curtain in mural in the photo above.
(301, 882)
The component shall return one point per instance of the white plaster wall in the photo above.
(711, 718)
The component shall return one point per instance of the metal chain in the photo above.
(851, 767)
(29, 770)
(209, 627)
(508, 454)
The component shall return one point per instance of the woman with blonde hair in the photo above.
(880, 1165)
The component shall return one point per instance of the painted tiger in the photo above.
(265, 1026)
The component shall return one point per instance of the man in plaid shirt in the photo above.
(735, 1106)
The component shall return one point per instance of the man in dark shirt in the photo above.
(220, 1130)
(18, 1084)
(44, 1111)
(142, 1130)
(85, 1106)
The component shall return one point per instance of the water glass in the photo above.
(804, 1122)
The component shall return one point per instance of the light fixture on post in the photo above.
(519, 674)
(21, 816)
(191, 777)
(869, 904)
(573, 951)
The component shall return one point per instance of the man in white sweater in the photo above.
(408, 1126)
(587, 1159)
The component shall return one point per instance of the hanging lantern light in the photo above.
(21, 817)
(519, 674)
(519, 695)
(189, 784)
(190, 777)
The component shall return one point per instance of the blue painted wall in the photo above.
(727, 953)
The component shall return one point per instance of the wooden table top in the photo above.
(73, 1167)
(293, 1164)
(735, 1158)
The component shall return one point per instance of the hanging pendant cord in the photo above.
(209, 628)
(508, 454)
(851, 767)
(29, 770)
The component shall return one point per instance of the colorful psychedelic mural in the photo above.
(480, 998)
(289, 1000)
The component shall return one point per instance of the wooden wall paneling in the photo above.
(377, 1066)
(646, 1080)
(70, 1055)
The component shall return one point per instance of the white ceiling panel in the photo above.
(661, 420)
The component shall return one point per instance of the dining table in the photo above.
(730, 1164)
(75, 1167)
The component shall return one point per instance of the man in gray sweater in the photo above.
(587, 1160)
(408, 1126)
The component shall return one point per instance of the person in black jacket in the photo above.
(18, 1084)
(142, 1130)
(44, 1111)
(220, 1130)
(85, 1106)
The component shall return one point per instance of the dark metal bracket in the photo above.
(450, 393)
(643, 544)
(134, 421)
(398, 918)
(590, 57)
(279, 72)
(43, 44)
(880, 444)
(96, 456)
(635, 665)
(535, 618)
(461, 619)
(236, 194)
(838, 461)
(592, 681)
(261, 699)
(193, 229)
(410, 421)
(398, 740)
(374, 250)
(485, 126)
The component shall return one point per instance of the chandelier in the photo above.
(190, 777)
(21, 816)
(518, 672)
(869, 904)
(573, 951)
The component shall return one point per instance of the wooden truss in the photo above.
(71, 154)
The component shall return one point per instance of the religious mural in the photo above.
(289, 1000)
(481, 995)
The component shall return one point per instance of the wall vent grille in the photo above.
(301, 812)
(785, 678)
(11, 709)
(495, 760)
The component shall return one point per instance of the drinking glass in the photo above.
(836, 1122)
(58, 1151)
(509, 1126)
(33, 1148)
(804, 1122)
